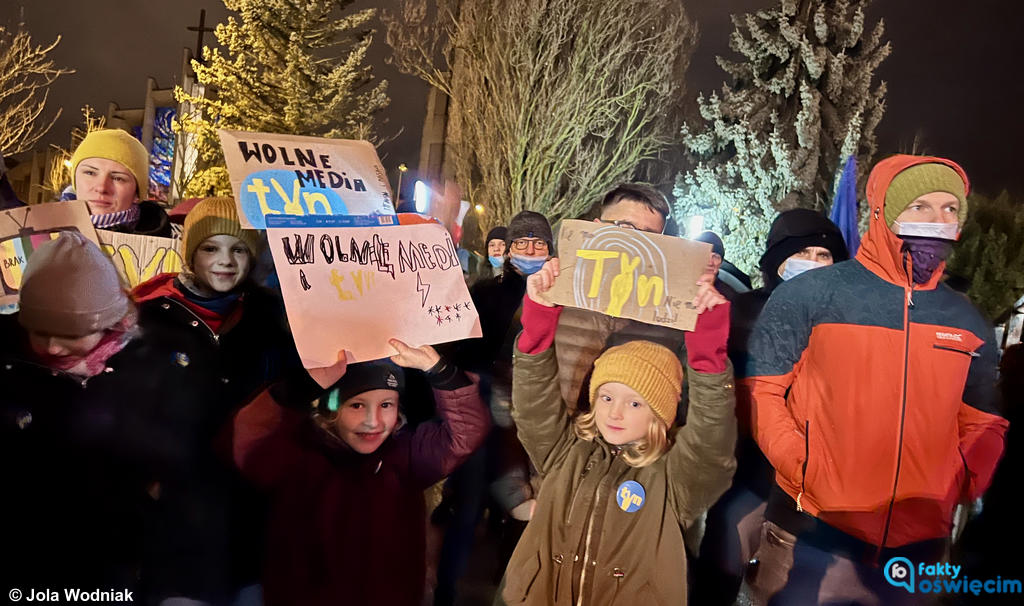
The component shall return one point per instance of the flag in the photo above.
(844, 207)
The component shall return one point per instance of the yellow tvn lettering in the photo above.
(336, 280)
(628, 498)
(649, 289)
(292, 203)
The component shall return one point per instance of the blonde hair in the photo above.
(641, 453)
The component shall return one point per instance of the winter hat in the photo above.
(649, 369)
(360, 378)
(70, 288)
(498, 233)
(215, 217)
(922, 179)
(712, 238)
(795, 230)
(529, 224)
(117, 145)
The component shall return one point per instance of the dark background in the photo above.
(954, 76)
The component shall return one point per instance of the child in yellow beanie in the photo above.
(620, 482)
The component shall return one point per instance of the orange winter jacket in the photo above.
(874, 398)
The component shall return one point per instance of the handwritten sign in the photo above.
(291, 175)
(352, 283)
(23, 229)
(139, 258)
(626, 273)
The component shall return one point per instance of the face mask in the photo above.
(795, 267)
(528, 265)
(927, 254)
(943, 231)
(496, 262)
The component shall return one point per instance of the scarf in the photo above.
(927, 254)
(125, 218)
(93, 363)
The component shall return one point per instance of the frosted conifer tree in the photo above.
(798, 103)
(284, 66)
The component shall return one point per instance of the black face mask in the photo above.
(927, 254)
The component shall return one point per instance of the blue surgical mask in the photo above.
(795, 267)
(496, 261)
(528, 265)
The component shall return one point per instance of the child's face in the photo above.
(221, 263)
(622, 415)
(364, 421)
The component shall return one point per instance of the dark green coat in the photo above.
(580, 539)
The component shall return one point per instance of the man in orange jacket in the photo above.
(874, 400)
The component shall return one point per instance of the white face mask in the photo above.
(795, 267)
(944, 231)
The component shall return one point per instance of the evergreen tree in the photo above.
(284, 66)
(990, 254)
(794, 108)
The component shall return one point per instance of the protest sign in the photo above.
(291, 175)
(139, 258)
(23, 229)
(627, 273)
(352, 283)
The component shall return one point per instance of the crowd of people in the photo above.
(167, 442)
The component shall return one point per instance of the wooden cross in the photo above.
(201, 28)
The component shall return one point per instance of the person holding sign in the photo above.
(347, 521)
(110, 172)
(230, 340)
(620, 483)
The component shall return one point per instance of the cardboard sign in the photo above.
(139, 258)
(291, 175)
(23, 229)
(352, 283)
(626, 273)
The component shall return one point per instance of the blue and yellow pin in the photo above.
(630, 496)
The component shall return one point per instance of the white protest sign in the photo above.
(352, 283)
(275, 174)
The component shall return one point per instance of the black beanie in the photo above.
(795, 230)
(712, 238)
(529, 224)
(498, 233)
(360, 378)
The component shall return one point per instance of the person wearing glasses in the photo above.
(499, 473)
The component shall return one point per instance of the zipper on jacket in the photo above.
(973, 354)
(903, 405)
(590, 527)
(576, 493)
(807, 457)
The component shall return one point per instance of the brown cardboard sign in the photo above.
(140, 258)
(626, 273)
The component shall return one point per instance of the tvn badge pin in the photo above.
(630, 496)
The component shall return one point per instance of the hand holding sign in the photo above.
(707, 297)
(329, 375)
(422, 358)
(542, 281)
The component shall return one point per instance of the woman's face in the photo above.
(221, 263)
(365, 420)
(63, 347)
(107, 186)
(622, 415)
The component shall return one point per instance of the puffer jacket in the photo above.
(873, 396)
(581, 541)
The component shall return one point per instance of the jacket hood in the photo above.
(156, 287)
(881, 249)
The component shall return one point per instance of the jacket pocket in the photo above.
(804, 467)
(959, 350)
(520, 579)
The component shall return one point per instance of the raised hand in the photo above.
(329, 375)
(421, 358)
(707, 297)
(542, 281)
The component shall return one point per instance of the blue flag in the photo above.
(844, 207)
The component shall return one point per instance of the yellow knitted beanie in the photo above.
(214, 217)
(117, 145)
(649, 369)
(920, 180)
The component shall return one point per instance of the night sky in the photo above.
(954, 76)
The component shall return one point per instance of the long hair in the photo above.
(641, 453)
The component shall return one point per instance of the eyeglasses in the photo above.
(627, 225)
(525, 245)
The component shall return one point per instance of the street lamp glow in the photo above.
(420, 195)
(694, 226)
(479, 208)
